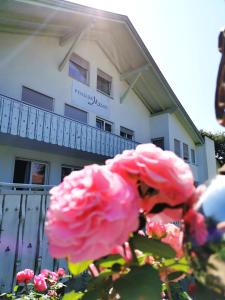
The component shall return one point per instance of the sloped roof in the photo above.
(115, 35)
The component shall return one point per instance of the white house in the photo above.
(78, 85)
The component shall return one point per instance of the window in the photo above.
(126, 133)
(193, 156)
(185, 152)
(79, 69)
(37, 99)
(75, 113)
(66, 170)
(104, 83)
(159, 142)
(177, 149)
(26, 171)
(103, 125)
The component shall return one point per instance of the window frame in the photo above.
(159, 139)
(105, 77)
(193, 155)
(75, 107)
(73, 168)
(126, 133)
(80, 63)
(174, 143)
(187, 159)
(104, 122)
(47, 168)
(40, 93)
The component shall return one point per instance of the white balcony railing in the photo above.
(28, 121)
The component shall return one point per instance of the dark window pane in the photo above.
(100, 124)
(177, 147)
(21, 171)
(77, 72)
(159, 142)
(193, 156)
(126, 133)
(37, 99)
(185, 152)
(65, 172)
(103, 85)
(75, 113)
(108, 127)
(38, 173)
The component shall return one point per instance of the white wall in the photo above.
(33, 62)
(210, 157)
(177, 131)
(9, 153)
(160, 128)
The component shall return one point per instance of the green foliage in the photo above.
(77, 268)
(152, 247)
(203, 293)
(219, 140)
(110, 260)
(72, 296)
(181, 264)
(140, 283)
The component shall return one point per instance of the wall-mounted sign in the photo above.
(89, 99)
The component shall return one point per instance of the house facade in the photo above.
(77, 86)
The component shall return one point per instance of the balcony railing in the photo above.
(28, 121)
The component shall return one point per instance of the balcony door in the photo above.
(30, 172)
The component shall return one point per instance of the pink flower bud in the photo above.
(29, 274)
(61, 272)
(156, 230)
(20, 277)
(24, 276)
(40, 283)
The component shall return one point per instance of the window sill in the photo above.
(84, 83)
(107, 95)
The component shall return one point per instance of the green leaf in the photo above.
(177, 264)
(153, 247)
(78, 268)
(174, 275)
(72, 296)
(140, 283)
(109, 261)
(16, 288)
(91, 295)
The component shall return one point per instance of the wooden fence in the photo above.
(23, 243)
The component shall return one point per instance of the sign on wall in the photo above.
(89, 99)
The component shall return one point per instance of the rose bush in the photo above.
(113, 220)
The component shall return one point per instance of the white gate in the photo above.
(23, 243)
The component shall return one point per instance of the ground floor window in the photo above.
(66, 170)
(126, 133)
(159, 142)
(103, 125)
(30, 172)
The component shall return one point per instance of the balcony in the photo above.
(24, 120)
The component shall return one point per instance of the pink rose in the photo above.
(40, 284)
(169, 177)
(24, 276)
(91, 212)
(45, 272)
(197, 226)
(155, 230)
(174, 238)
(54, 276)
(20, 277)
(61, 272)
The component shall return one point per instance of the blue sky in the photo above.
(181, 35)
